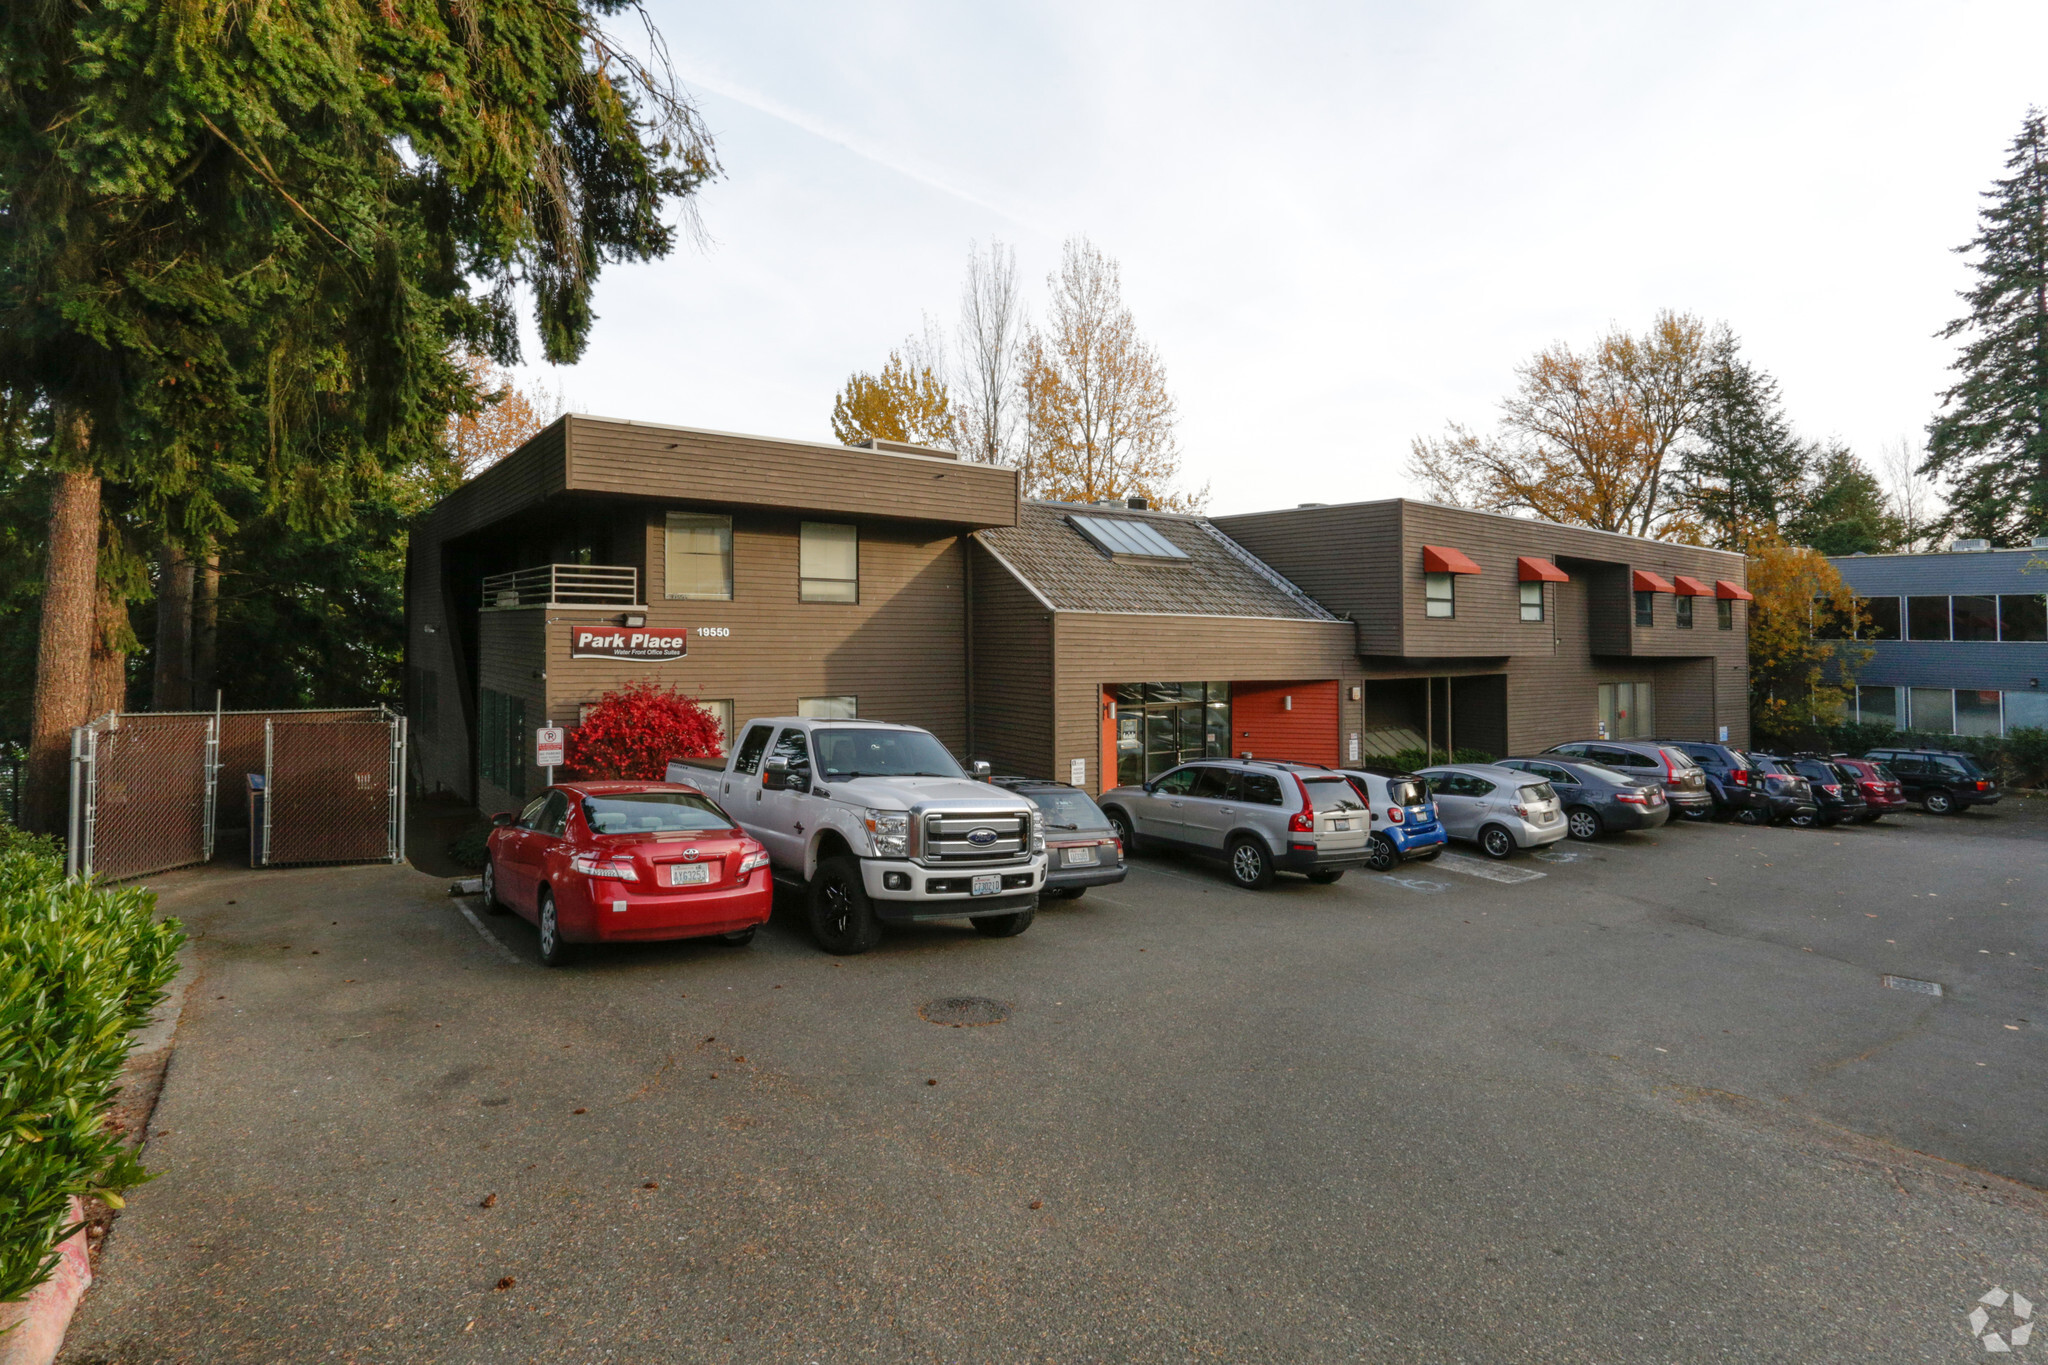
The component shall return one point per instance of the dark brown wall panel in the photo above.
(509, 655)
(1345, 557)
(1013, 673)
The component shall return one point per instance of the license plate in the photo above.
(988, 884)
(689, 874)
(1080, 857)
(1340, 824)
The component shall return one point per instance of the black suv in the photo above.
(1789, 792)
(1081, 847)
(1736, 792)
(1837, 793)
(1941, 780)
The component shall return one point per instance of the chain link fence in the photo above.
(333, 791)
(148, 792)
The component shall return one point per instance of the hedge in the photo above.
(2019, 759)
(1408, 760)
(82, 966)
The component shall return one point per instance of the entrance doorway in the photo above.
(1157, 726)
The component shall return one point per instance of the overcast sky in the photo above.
(1341, 225)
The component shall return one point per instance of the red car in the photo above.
(1881, 791)
(611, 862)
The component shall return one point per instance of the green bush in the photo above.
(1472, 756)
(81, 967)
(1408, 760)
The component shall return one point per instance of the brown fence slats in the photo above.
(329, 792)
(150, 795)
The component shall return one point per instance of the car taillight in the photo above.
(1739, 776)
(1395, 815)
(597, 865)
(1302, 821)
(1522, 811)
(1831, 789)
(1983, 786)
(758, 858)
(1632, 798)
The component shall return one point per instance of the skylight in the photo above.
(1121, 537)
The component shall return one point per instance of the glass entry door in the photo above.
(1160, 726)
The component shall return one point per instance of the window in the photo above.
(828, 562)
(1332, 794)
(792, 745)
(1646, 609)
(501, 741)
(653, 813)
(1161, 725)
(1532, 601)
(721, 711)
(1927, 619)
(844, 752)
(827, 708)
(554, 815)
(1682, 609)
(1933, 709)
(1180, 781)
(1724, 613)
(1881, 618)
(1828, 624)
(1878, 706)
(1260, 789)
(1216, 784)
(699, 556)
(1976, 712)
(751, 748)
(1440, 594)
(2019, 618)
(2026, 710)
(1124, 536)
(1976, 618)
(1628, 710)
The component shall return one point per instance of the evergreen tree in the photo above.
(1991, 439)
(1844, 511)
(236, 244)
(1741, 470)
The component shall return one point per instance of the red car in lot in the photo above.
(609, 862)
(1881, 791)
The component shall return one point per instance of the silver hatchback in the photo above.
(1259, 817)
(1499, 809)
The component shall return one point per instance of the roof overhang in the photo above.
(1734, 592)
(1443, 559)
(1533, 570)
(1646, 581)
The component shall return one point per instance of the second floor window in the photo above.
(699, 556)
(1532, 601)
(1646, 609)
(1683, 609)
(1439, 594)
(828, 563)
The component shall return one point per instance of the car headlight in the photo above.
(1037, 832)
(889, 831)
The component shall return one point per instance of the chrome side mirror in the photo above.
(979, 769)
(775, 774)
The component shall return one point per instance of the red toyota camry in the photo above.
(607, 862)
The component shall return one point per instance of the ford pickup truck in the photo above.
(878, 823)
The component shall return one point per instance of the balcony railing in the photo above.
(563, 585)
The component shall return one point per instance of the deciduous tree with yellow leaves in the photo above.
(1799, 681)
(908, 401)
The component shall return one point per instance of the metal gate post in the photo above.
(269, 792)
(396, 802)
(212, 762)
(92, 797)
(74, 826)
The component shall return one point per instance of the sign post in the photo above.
(547, 749)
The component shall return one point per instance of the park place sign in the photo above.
(638, 645)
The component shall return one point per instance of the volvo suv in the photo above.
(1258, 817)
(1941, 780)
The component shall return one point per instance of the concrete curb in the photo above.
(35, 1326)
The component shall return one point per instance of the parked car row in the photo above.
(874, 823)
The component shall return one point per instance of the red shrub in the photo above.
(634, 732)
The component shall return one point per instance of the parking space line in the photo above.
(1493, 872)
(462, 904)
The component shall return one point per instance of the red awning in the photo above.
(1443, 559)
(1534, 570)
(1690, 587)
(1733, 591)
(1649, 582)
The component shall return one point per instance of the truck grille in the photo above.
(949, 837)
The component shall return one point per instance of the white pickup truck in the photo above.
(878, 822)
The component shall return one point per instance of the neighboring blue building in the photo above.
(1961, 638)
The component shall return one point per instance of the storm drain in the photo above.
(964, 1011)
(1907, 983)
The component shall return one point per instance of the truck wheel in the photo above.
(1004, 926)
(1125, 835)
(842, 920)
(1251, 867)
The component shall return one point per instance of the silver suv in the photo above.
(1258, 816)
(1670, 767)
(1499, 809)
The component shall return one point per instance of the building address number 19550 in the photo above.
(714, 632)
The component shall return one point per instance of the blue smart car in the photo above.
(1404, 824)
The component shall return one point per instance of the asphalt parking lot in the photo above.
(1647, 1100)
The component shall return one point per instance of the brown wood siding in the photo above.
(508, 660)
(1343, 556)
(900, 651)
(529, 475)
(678, 464)
(1093, 649)
(1013, 689)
